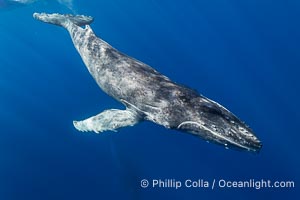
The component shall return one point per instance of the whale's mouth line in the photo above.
(217, 135)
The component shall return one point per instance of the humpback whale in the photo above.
(147, 94)
(10, 4)
(14, 3)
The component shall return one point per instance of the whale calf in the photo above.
(10, 4)
(147, 94)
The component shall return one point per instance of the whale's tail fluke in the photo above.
(61, 20)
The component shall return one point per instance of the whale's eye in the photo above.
(211, 109)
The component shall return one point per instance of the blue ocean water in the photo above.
(242, 54)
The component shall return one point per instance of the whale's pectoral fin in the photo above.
(60, 20)
(108, 120)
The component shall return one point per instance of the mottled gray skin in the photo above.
(154, 97)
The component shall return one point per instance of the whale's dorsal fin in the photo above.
(108, 120)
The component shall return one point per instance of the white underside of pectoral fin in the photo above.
(108, 120)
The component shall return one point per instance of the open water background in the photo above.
(242, 54)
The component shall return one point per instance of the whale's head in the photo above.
(213, 122)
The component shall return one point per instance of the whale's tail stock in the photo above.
(62, 19)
